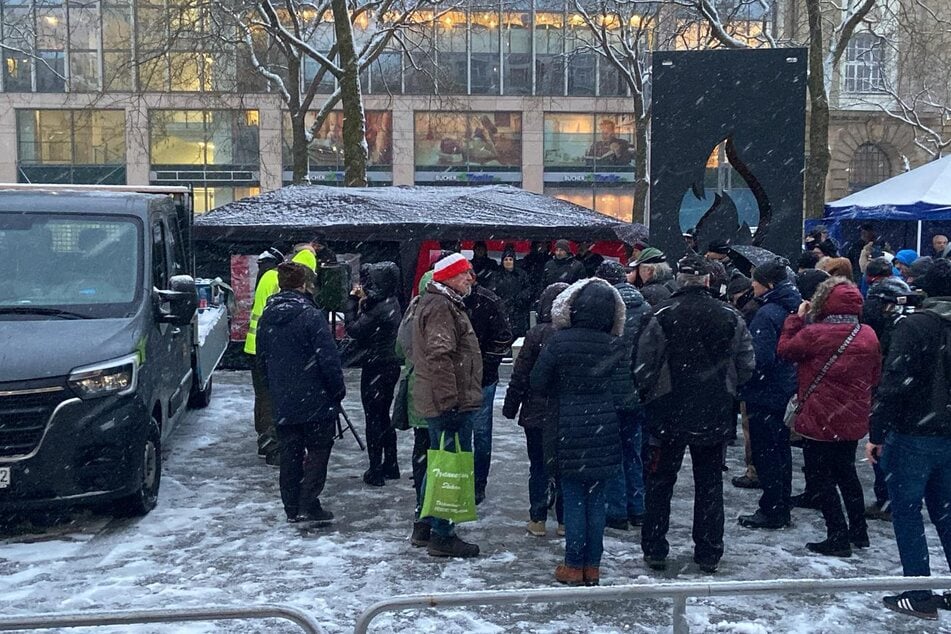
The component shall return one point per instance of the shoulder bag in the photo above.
(795, 405)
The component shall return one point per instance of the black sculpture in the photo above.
(754, 100)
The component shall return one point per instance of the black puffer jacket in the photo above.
(568, 270)
(300, 360)
(487, 315)
(515, 290)
(580, 364)
(536, 408)
(691, 359)
(374, 322)
(636, 309)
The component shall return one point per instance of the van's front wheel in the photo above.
(149, 476)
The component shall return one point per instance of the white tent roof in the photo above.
(907, 196)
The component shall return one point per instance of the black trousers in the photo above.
(832, 469)
(661, 472)
(263, 413)
(305, 452)
(420, 460)
(377, 384)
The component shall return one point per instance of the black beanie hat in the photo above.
(878, 267)
(292, 275)
(937, 281)
(809, 280)
(807, 260)
(611, 272)
(739, 283)
(771, 273)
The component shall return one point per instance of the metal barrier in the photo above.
(679, 592)
(137, 617)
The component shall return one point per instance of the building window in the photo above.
(207, 198)
(459, 148)
(865, 64)
(589, 143)
(582, 61)
(617, 202)
(549, 52)
(325, 151)
(517, 53)
(71, 146)
(870, 165)
(484, 28)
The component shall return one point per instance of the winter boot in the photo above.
(374, 478)
(318, 514)
(945, 603)
(560, 531)
(830, 548)
(536, 529)
(479, 493)
(592, 575)
(618, 525)
(421, 534)
(391, 471)
(273, 459)
(905, 603)
(707, 566)
(876, 511)
(805, 500)
(656, 563)
(451, 546)
(745, 482)
(761, 520)
(569, 576)
(859, 538)
(636, 520)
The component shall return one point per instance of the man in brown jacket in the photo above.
(448, 368)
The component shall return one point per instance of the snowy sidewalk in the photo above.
(218, 536)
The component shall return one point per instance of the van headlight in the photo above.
(118, 376)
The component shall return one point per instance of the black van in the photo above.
(99, 353)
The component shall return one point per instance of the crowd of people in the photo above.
(624, 369)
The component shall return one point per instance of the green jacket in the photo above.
(268, 286)
(404, 349)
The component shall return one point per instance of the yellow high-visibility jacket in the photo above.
(268, 286)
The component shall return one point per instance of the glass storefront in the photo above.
(617, 201)
(325, 151)
(207, 198)
(71, 146)
(459, 148)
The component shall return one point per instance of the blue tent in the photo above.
(904, 208)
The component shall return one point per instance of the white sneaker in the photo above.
(536, 529)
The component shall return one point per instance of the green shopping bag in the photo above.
(450, 484)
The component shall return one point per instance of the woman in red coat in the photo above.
(834, 417)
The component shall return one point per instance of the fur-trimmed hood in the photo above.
(836, 296)
(584, 304)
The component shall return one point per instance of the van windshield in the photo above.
(68, 266)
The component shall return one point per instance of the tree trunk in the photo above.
(817, 163)
(301, 158)
(351, 99)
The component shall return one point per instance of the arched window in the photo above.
(870, 166)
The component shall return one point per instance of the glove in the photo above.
(509, 410)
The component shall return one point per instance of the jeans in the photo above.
(584, 521)
(918, 467)
(377, 383)
(772, 457)
(540, 480)
(625, 493)
(420, 447)
(708, 516)
(831, 470)
(303, 477)
(482, 436)
(452, 423)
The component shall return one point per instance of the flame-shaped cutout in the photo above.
(722, 220)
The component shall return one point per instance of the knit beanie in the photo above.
(291, 275)
(920, 267)
(809, 280)
(450, 266)
(611, 272)
(878, 267)
(563, 244)
(739, 283)
(906, 256)
(937, 281)
(771, 273)
(508, 251)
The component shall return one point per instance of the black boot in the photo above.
(422, 533)
(805, 500)
(761, 520)
(451, 546)
(374, 478)
(391, 471)
(318, 514)
(831, 548)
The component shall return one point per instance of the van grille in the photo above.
(23, 419)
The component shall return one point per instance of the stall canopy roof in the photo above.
(408, 213)
(921, 194)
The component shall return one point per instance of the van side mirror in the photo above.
(182, 300)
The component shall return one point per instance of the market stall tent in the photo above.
(918, 199)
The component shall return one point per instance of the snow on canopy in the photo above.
(405, 213)
(921, 194)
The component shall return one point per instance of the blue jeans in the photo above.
(584, 521)
(451, 423)
(482, 436)
(918, 467)
(625, 493)
(772, 457)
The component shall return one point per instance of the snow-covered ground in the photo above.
(218, 537)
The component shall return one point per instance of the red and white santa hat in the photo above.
(450, 266)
